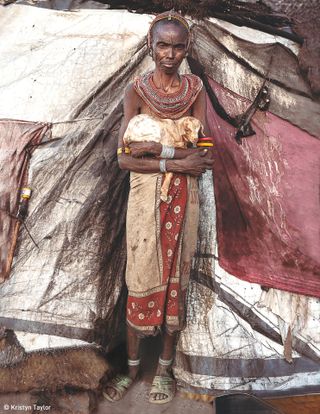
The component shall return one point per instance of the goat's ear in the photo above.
(201, 130)
(126, 138)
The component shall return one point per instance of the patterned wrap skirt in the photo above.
(161, 240)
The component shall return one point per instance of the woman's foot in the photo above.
(116, 388)
(163, 386)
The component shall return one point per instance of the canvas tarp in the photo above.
(242, 66)
(75, 66)
(73, 280)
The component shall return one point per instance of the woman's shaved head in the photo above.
(166, 19)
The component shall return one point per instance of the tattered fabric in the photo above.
(267, 195)
(17, 139)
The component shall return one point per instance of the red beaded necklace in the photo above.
(168, 105)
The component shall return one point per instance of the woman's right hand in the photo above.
(194, 164)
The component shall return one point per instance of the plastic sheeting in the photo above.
(242, 67)
(70, 284)
(241, 336)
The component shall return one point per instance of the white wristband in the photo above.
(167, 152)
(162, 166)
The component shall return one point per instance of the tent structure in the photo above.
(253, 307)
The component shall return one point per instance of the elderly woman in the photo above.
(161, 235)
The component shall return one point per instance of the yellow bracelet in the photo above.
(126, 150)
(204, 144)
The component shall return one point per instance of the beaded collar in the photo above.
(168, 105)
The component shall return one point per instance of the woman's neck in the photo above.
(165, 82)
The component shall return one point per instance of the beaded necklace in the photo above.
(168, 105)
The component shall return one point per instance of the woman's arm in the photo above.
(151, 148)
(195, 163)
(199, 111)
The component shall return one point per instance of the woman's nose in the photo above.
(170, 52)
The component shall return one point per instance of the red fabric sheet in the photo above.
(267, 196)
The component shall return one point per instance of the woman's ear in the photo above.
(149, 44)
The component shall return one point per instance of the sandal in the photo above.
(121, 384)
(162, 385)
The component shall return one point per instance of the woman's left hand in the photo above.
(144, 148)
(210, 153)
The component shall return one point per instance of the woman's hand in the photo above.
(145, 148)
(194, 164)
(210, 153)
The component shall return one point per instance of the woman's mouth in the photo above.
(168, 64)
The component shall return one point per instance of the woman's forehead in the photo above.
(169, 32)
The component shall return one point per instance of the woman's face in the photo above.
(169, 46)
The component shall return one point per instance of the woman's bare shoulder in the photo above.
(132, 102)
(130, 92)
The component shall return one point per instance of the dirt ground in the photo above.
(136, 402)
